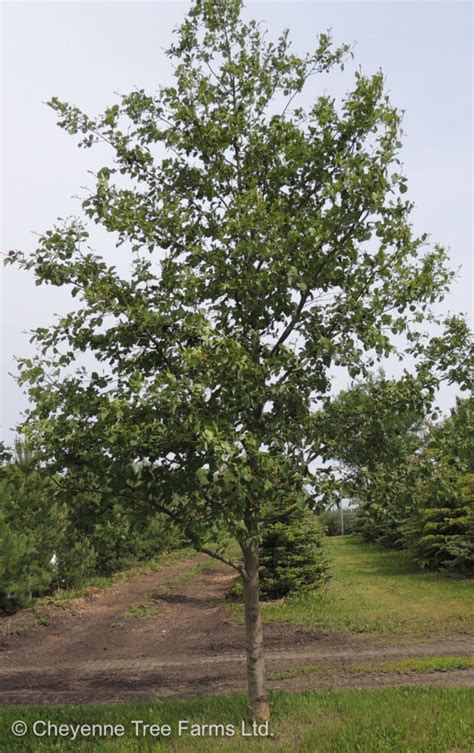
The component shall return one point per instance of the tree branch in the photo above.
(221, 558)
(292, 323)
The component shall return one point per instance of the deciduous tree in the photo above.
(268, 244)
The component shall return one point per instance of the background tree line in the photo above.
(411, 478)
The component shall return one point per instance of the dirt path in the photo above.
(93, 652)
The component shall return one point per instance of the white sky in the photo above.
(84, 52)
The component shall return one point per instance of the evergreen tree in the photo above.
(440, 531)
(293, 556)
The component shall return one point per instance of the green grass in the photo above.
(375, 590)
(62, 596)
(164, 560)
(140, 612)
(392, 720)
(408, 666)
(390, 666)
(137, 612)
(189, 572)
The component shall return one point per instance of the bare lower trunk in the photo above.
(256, 680)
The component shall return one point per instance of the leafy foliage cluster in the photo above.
(372, 431)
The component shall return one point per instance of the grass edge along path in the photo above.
(403, 666)
(390, 720)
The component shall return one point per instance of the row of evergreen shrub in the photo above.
(47, 543)
(427, 505)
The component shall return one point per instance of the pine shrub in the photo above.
(29, 533)
(440, 533)
(292, 555)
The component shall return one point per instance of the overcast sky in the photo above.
(84, 52)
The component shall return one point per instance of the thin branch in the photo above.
(219, 557)
(292, 323)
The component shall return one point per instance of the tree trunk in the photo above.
(256, 680)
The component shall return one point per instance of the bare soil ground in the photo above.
(92, 651)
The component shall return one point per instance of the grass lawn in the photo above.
(377, 590)
(411, 720)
